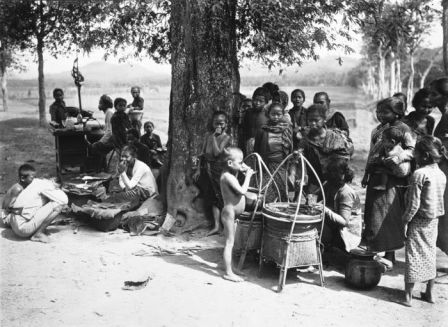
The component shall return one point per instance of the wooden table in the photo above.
(71, 148)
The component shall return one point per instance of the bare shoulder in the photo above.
(227, 177)
(15, 189)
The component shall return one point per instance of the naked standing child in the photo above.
(234, 203)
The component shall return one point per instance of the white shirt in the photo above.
(141, 176)
(36, 195)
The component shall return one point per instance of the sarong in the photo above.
(420, 251)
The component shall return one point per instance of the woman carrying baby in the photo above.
(385, 196)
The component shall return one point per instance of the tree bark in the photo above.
(410, 89)
(392, 81)
(381, 73)
(445, 34)
(41, 81)
(398, 74)
(3, 72)
(204, 78)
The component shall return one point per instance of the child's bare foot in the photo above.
(40, 237)
(233, 278)
(214, 231)
(407, 300)
(427, 297)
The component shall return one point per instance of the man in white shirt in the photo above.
(135, 178)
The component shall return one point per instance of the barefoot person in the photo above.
(213, 149)
(35, 206)
(26, 176)
(424, 206)
(234, 203)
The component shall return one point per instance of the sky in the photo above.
(64, 63)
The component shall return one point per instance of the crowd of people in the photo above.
(405, 186)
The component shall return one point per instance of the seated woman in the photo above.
(135, 179)
(343, 223)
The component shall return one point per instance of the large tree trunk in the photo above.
(204, 78)
(42, 98)
(3, 74)
(445, 34)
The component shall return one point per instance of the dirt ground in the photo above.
(77, 279)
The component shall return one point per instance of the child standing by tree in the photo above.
(424, 206)
(211, 156)
(234, 203)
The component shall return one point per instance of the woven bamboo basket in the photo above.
(301, 248)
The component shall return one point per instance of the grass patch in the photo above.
(21, 140)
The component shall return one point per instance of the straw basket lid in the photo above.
(284, 211)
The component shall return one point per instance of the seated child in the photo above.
(391, 147)
(343, 223)
(234, 203)
(153, 142)
(57, 108)
(31, 210)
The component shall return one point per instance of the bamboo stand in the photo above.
(283, 255)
